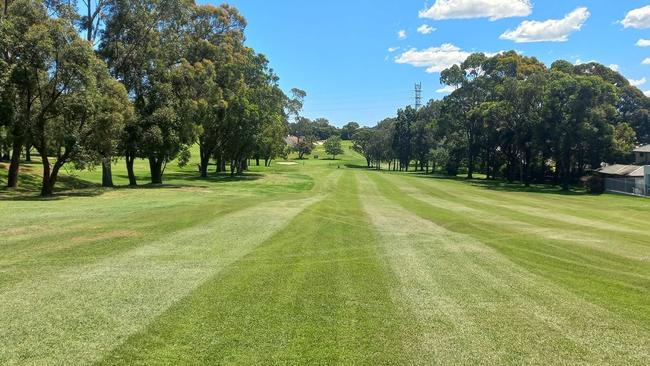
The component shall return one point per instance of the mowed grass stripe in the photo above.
(78, 314)
(475, 306)
(80, 230)
(617, 264)
(587, 211)
(607, 282)
(317, 292)
(32, 256)
(613, 246)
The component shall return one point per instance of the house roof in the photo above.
(637, 173)
(622, 170)
(644, 149)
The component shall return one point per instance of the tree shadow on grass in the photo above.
(360, 167)
(71, 186)
(215, 178)
(503, 186)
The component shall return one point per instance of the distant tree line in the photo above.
(513, 118)
(307, 132)
(137, 79)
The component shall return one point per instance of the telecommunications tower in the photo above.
(418, 96)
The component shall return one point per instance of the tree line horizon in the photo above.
(152, 78)
(512, 117)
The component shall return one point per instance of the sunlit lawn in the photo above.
(320, 262)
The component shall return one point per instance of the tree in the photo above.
(143, 43)
(304, 147)
(30, 45)
(303, 130)
(109, 112)
(323, 129)
(333, 146)
(402, 144)
(362, 142)
(91, 20)
(76, 105)
(348, 131)
(439, 157)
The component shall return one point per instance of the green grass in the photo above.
(320, 263)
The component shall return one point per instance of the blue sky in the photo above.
(338, 51)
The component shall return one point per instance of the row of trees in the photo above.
(150, 79)
(512, 117)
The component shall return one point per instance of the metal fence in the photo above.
(634, 186)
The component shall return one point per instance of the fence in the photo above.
(634, 186)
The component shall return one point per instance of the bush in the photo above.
(595, 184)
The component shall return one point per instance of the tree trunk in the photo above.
(14, 167)
(155, 167)
(107, 173)
(129, 169)
(28, 153)
(470, 164)
(47, 187)
(232, 168)
(89, 20)
(205, 160)
(50, 176)
(527, 163)
(257, 161)
(565, 173)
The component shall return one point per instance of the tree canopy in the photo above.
(510, 116)
(148, 79)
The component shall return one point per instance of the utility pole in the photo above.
(418, 96)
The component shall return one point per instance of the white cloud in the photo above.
(637, 18)
(426, 29)
(435, 59)
(580, 62)
(646, 61)
(401, 34)
(614, 67)
(392, 49)
(446, 90)
(647, 93)
(467, 9)
(552, 30)
(637, 82)
(643, 43)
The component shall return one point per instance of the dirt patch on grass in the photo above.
(16, 231)
(117, 234)
(287, 163)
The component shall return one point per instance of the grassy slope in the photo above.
(321, 263)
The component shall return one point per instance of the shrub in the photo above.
(595, 184)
